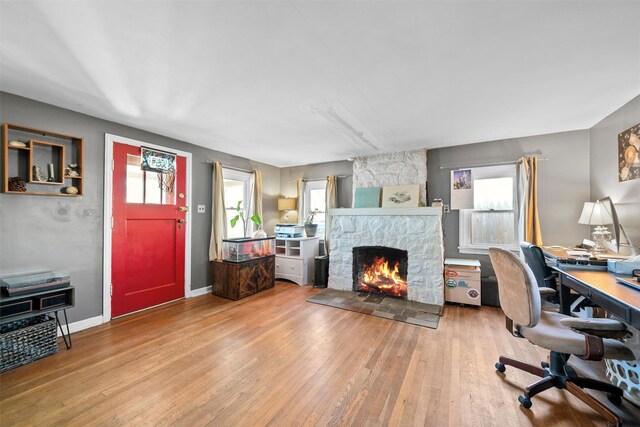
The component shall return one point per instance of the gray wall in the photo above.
(604, 167)
(54, 233)
(563, 183)
(44, 233)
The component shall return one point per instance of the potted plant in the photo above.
(255, 218)
(309, 227)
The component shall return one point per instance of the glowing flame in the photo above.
(378, 277)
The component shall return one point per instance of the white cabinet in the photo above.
(295, 258)
(462, 281)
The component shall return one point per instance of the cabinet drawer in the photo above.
(288, 266)
(16, 308)
(50, 301)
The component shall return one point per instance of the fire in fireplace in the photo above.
(381, 270)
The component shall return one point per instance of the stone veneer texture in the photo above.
(420, 236)
(407, 167)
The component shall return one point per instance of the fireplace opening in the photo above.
(380, 270)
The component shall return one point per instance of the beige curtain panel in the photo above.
(299, 194)
(219, 222)
(331, 203)
(529, 220)
(257, 193)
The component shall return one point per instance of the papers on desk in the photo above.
(579, 254)
(629, 282)
(613, 256)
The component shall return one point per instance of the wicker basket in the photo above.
(26, 340)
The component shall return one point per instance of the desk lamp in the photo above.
(595, 214)
(286, 205)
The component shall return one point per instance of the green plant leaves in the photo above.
(234, 220)
(256, 219)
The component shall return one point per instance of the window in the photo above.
(493, 220)
(147, 187)
(315, 198)
(237, 187)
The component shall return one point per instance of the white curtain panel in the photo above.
(300, 195)
(257, 193)
(331, 203)
(219, 221)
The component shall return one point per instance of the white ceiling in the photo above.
(291, 83)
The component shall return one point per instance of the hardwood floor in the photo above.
(274, 359)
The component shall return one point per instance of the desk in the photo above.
(603, 290)
(600, 287)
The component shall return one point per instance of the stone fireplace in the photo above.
(418, 231)
(413, 236)
(380, 270)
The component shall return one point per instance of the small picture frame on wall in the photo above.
(400, 196)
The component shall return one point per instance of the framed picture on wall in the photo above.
(462, 189)
(629, 154)
(400, 196)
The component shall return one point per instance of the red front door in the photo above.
(148, 233)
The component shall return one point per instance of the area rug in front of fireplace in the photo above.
(412, 312)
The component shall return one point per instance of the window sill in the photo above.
(485, 250)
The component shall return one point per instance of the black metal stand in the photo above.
(68, 335)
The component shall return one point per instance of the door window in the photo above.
(149, 187)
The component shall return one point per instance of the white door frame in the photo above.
(109, 140)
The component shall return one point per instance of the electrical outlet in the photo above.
(446, 209)
(200, 208)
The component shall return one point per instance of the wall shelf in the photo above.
(49, 154)
(51, 151)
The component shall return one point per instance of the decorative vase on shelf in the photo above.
(310, 229)
(259, 233)
(38, 174)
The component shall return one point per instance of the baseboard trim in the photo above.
(200, 291)
(80, 325)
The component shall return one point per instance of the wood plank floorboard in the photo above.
(275, 360)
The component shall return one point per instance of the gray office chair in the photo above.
(589, 339)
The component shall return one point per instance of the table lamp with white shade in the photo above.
(593, 213)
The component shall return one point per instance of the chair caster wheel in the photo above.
(500, 367)
(524, 401)
(614, 398)
(544, 365)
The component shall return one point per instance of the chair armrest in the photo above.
(603, 328)
(546, 291)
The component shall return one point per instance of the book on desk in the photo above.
(632, 282)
